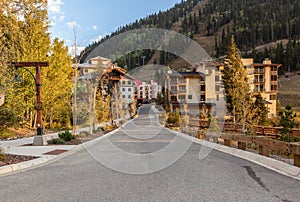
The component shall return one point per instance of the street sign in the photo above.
(2, 98)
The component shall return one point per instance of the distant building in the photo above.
(185, 88)
(214, 92)
(95, 64)
(263, 78)
(146, 92)
(127, 87)
(201, 86)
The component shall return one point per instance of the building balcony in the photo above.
(274, 73)
(182, 81)
(182, 91)
(259, 71)
(273, 91)
(274, 82)
(258, 81)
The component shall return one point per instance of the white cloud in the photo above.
(54, 6)
(94, 27)
(72, 24)
(61, 18)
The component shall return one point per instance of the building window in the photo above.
(123, 82)
(273, 69)
(174, 89)
(123, 89)
(129, 89)
(261, 87)
(202, 98)
(182, 88)
(129, 82)
(272, 97)
(190, 97)
(273, 87)
(123, 96)
(141, 88)
(217, 78)
(173, 80)
(217, 87)
(181, 80)
(202, 88)
(274, 78)
(217, 97)
(173, 98)
(181, 97)
(129, 96)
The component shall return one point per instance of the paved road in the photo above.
(137, 149)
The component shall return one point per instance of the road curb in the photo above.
(272, 164)
(26, 164)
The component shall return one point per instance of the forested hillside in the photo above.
(252, 22)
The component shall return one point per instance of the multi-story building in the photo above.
(146, 92)
(201, 86)
(263, 79)
(214, 91)
(127, 88)
(185, 88)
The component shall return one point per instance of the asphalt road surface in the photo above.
(144, 162)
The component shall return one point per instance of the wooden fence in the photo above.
(265, 144)
(230, 127)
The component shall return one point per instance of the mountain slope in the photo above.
(212, 22)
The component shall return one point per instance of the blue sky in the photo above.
(93, 19)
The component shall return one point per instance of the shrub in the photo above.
(107, 127)
(99, 129)
(66, 136)
(289, 138)
(84, 134)
(174, 119)
(57, 141)
(2, 156)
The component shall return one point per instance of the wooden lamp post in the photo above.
(39, 139)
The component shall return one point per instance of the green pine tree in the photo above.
(237, 89)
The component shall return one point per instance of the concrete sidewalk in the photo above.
(20, 146)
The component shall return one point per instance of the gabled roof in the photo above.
(99, 58)
(119, 69)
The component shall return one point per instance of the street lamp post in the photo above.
(38, 139)
(143, 57)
